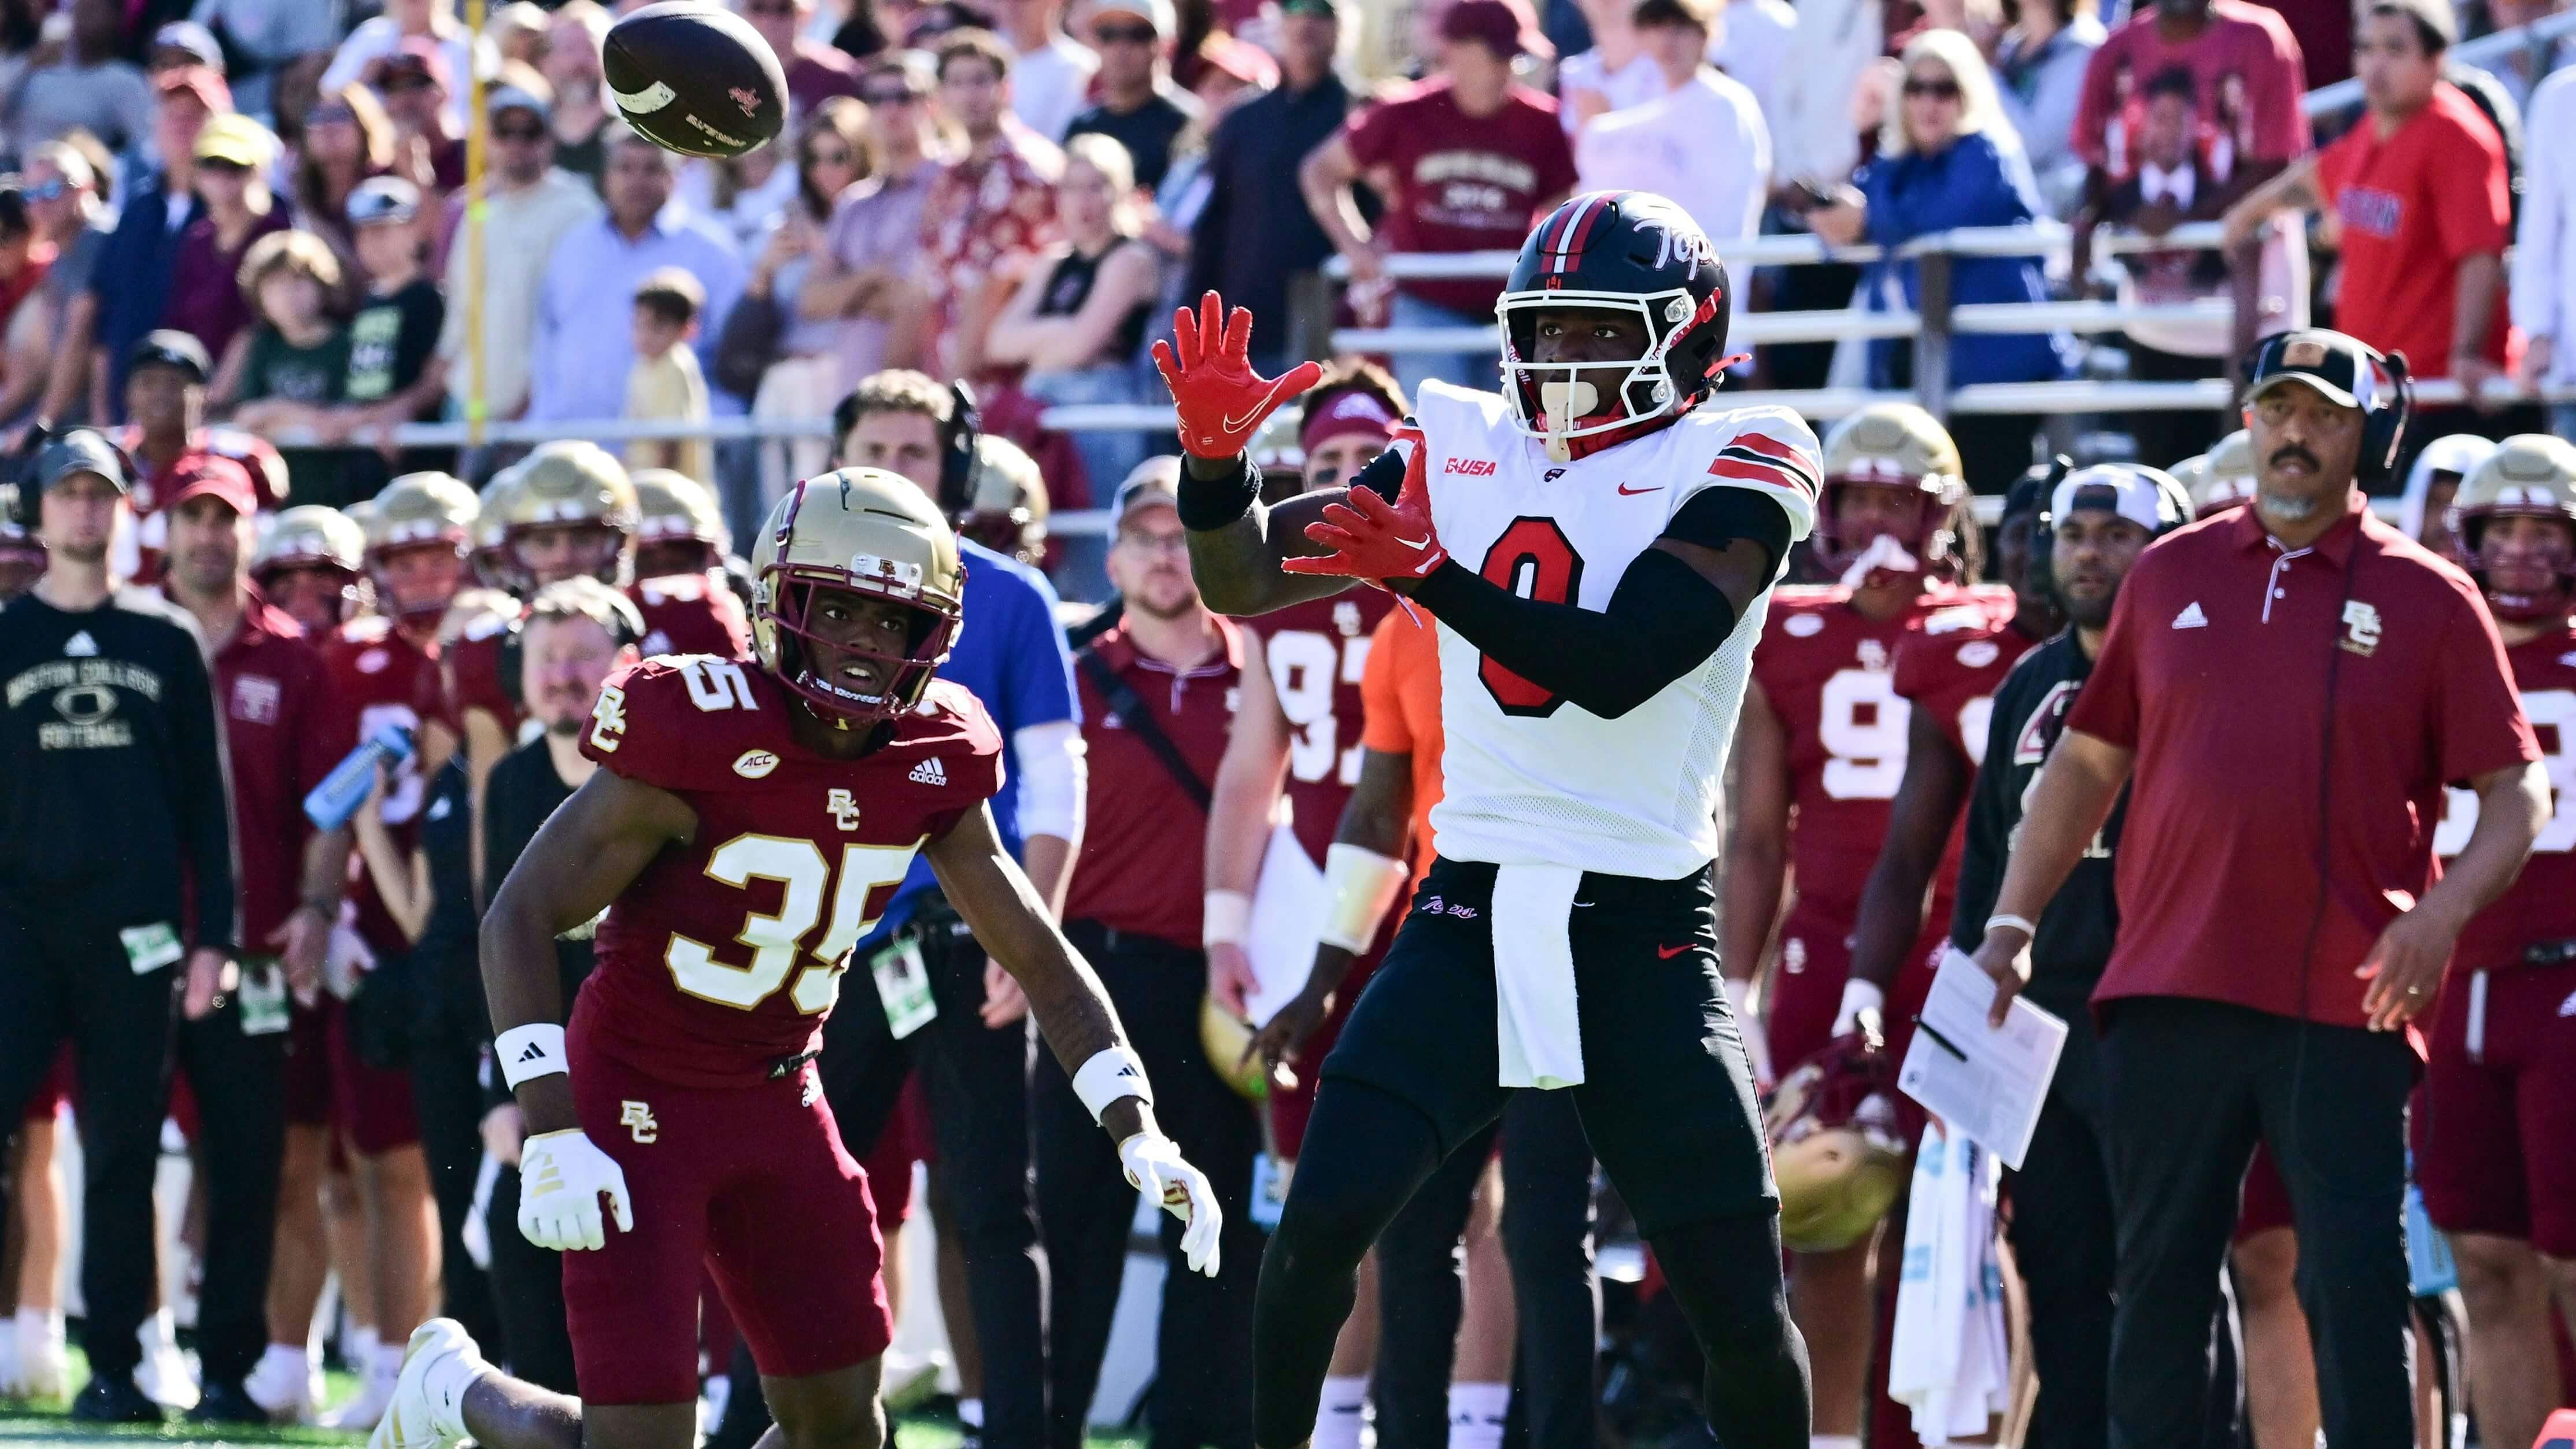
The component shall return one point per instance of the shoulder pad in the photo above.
(685, 722)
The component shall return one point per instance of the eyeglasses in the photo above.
(1939, 90)
(1124, 34)
(1176, 541)
(890, 98)
(518, 133)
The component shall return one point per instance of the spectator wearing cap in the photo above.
(992, 209)
(91, 88)
(1051, 71)
(233, 156)
(414, 82)
(2543, 294)
(1463, 161)
(1169, 668)
(529, 205)
(2278, 1009)
(1139, 106)
(182, 43)
(1701, 141)
(287, 369)
(130, 290)
(165, 395)
(347, 138)
(26, 321)
(579, 114)
(63, 202)
(104, 913)
(2421, 207)
(581, 362)
(816, 72)
(431, 20)
(1253, 235)
(395, 375)
(279, 741)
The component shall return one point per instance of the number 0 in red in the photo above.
(1534, 560)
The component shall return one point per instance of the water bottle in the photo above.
(342, 791)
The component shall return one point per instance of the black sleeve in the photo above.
(1383, 475)
(204, 792)
(424, 315)
(1994, 809)
(1717, 517)
(510, 816)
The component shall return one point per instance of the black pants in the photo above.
(1547, 1238)
(977, 1081)
(2189, 1087)
(64, 974)
(447, 1093)
(1203, 1342)
(527, 1296)
(239, 1081)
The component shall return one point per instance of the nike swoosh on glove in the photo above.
(1371, 538)
(1208, 366)
(562, 1176)
(1155, 1166)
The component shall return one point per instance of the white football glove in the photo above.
(1155, 1166)
(1863, 1007)
(1757, 1042)
(561, 1177)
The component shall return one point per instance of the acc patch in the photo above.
(1803, 626)
(754, 764)
(1978, 653)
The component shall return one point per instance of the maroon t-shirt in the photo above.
(816, 74)
(2246, 68)
(1142, 866)
(721, 960)
(1316, 653)
(282, 734)
(378, 677)
(1461, 183)
(2216, 672)
(206, 298)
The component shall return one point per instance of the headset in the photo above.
(2383, 424)
(957, 459)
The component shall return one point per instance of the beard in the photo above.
(2285, 505)
(86, 554)
(2092, 613)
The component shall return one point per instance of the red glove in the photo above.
(1221, 399)
(1371, 538)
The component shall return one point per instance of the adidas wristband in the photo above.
(528, 1052)
(1111, 1074)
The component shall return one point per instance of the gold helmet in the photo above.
(863, 531)
(1837, 1145)
(2226, 475)
(576, 484)
(1892, 445)
(492, 535)
(1226, 1040)
(1006, 499)
(308, 536)
(418, 511)
(2531, 475)
(2190, 472)
(672, 507)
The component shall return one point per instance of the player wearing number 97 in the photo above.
(2495, 1128)
(1598, 545)
(747, 823)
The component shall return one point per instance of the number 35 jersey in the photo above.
(1533, 778)
(719, 963)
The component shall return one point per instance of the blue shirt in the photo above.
(1975, 182)
(1010, 654)
(585, 342)
(131, 281)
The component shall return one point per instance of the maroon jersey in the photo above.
(378, 678)
(1828, 672)
(473, 674)
(282, 733)
(2540, 905)
(1953, 666)
(719, 963)
(692, 614)
(1317, 651)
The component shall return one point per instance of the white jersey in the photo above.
(1535, 779)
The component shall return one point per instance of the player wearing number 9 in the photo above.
(747, 824)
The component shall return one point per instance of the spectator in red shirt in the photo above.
(2422, 208)
(815, 72)
(993, 209)
(273, 694)
(2282, 921)
(1463, 161)
(233, 156)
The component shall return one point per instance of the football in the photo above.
(694, 78)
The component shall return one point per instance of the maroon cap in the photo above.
(417, 55)
(1352, 412)
(1505, 26)
(200, 475)
(204, 82)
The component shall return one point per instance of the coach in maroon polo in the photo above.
(2286, 687)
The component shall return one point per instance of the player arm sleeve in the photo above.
(1052, 776)
(1664, 618)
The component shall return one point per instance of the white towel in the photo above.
(1536, 1028)
(1950, 1359)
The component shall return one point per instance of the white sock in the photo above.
(281, 1367)
(158, 1333)
(358, 1347)
(1833, 1441)
(39, 1325)
(1476, 1415)
(387, 1366)
(1342, 1413)
(970, 1412)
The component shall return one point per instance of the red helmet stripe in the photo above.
(1568, 242)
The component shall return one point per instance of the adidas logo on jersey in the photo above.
(928, 772)
(2191, 617)
(80, 646)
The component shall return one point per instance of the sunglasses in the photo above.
(331, 116)
(837, 156)
(1124, 34)
(411, 82)
(518, 133)
(890, 98)
(53, 190)
(221, 167)
(1939, 90)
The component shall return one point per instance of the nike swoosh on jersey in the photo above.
(1627, 492)
(1414, 543)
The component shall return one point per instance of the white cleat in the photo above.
(364, 1409)
(163, 1373)
(287, 1393)
(427, 1410)
(42, 1370)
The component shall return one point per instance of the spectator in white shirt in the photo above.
(1614, 74)
(403, 19)
(1751, 44)
(1051, 79)
(2543, 290)
(531, 206)
(1702, 143)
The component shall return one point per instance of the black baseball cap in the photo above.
(170, 347)
(2348, 371)
(82, 450)
(1322, 8)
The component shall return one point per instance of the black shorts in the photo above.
(1667, 1098)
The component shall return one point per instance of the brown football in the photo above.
(695, 78)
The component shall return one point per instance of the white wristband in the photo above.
(2023, 924)
(1361, 884)
(1111, 1074)
(1859, 996)
(1225, 918)
(528, 1052)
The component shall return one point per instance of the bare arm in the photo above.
(1237, 566)
(1002, 908)
(2480, 282)
(1757, 854)
(485, 743)
(2068, 803)
(1325, 177)
(1377, 820)
(1247, 778)
(401, 881)
(585, 855)
(1918, 830)
(1020, 335)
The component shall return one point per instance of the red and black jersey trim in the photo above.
(1757, 458)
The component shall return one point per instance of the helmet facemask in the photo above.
(2535, 582)
(1559, 402)
(786, 597)
(1928, 548)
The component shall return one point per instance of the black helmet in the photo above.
(1629, 251)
